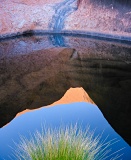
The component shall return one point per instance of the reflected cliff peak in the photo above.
(72, 95)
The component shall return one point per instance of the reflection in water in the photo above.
(83, 113)
(72, 95)
(37, 71)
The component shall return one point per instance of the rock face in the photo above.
(94, 17)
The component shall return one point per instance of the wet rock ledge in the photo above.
(108, 19)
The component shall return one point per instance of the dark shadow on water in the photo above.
(37, 71)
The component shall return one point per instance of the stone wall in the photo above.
(94, 17)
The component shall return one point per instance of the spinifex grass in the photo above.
(69, 143)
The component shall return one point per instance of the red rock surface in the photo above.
(21, 15)
(59, 15)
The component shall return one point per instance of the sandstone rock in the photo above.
(90, 17)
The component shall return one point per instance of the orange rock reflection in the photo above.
(72, 95)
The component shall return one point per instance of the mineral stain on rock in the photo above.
(62, 10)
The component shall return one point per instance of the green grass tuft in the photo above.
(69, 143)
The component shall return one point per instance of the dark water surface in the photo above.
(36, 71)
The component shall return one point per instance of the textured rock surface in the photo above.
(101, 16)
(93, 17)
